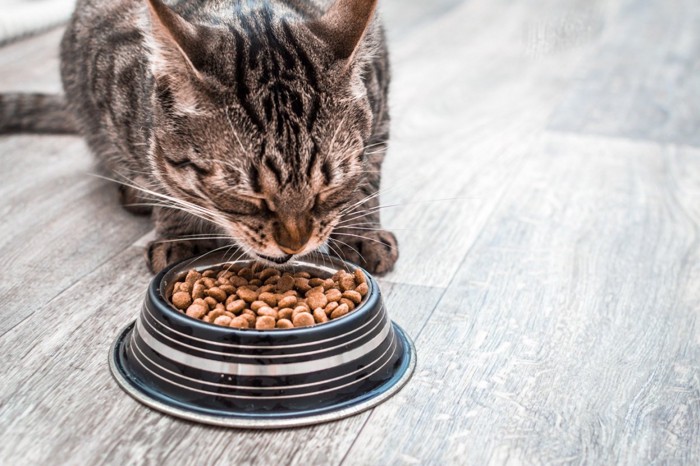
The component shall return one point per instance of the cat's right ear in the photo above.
(343, 26)
(174, 42)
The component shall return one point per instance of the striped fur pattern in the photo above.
(258, 124)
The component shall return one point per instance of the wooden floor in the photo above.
(554, 300)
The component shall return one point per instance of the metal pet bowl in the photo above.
(260, 378)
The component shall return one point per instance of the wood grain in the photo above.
(642, 82)
(570, 327)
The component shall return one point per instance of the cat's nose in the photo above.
(292, 234)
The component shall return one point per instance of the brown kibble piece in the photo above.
(255, 305)
(208, 274)
(196, 310)
(197, 291)
(305, 275)
(269, 298)
(235, 306)
(347, 302)
(223, 320)
(182, 300)
(300, 310)
(285, 283)
(246, 273)
(330, 307)
(267, 273)
(249, 316)
(285, 313)
(185, 287)
(272, 280)
(285, 323)
(346, 282)
(316, 300)
(267, 311)
(320, 315)
(247, 294)
(287, 301)
(302, 284)
(216, 293)
(363, 289)
(315, 289)
(353, 296)
(303, 319)
(340, 311)
(216, 313)
(237, 281)
(239, 322)
(334, 294)
(211, 302)
(316, 282)
(228, 289)
(265, 322)
(208, 282)
(359, 277)
(328, 283)
(266, 289)
(192, 277)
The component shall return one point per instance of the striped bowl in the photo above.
(261, 379)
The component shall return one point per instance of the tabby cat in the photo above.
(261, 124)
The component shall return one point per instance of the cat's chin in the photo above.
(275, 260)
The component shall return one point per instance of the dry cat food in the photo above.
(268, 298)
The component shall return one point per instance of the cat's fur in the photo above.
(264, 122)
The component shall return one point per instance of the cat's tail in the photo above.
(35, 113)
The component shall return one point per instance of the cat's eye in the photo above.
(187, 164)
(324, 194)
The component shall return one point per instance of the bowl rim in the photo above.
(157, 297)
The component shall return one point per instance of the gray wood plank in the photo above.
(643, 81)
(569, 334)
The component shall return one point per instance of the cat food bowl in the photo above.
(250, 378)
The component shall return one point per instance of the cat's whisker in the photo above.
(366, 238)
(206, 214)
(176, 240)
(351, 247)
(352, 227)
(373, 210)
(206, 254)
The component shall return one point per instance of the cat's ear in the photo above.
(343, 25)
(173, 41)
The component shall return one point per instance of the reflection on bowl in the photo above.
(261, 378)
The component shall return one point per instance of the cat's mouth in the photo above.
(276, 260)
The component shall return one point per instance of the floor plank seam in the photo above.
(359, 432)
(619, 138)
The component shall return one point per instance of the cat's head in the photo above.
(261, 122)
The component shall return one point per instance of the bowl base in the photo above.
(131, 383)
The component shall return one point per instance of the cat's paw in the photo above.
(132, 201)
(377, 251)
(160, 254)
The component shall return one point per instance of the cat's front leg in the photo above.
(179, 236)
(359, 237)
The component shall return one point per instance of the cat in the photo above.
(262, 124)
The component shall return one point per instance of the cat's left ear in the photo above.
(174, 42)
(343, 26)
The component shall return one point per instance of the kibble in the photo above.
(267, 298)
